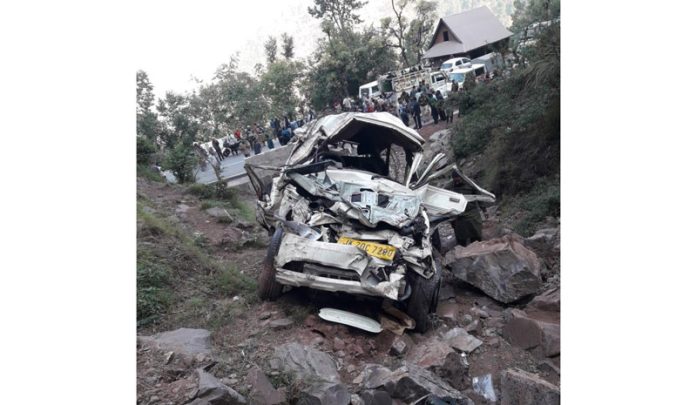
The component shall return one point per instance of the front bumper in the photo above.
(387, 289)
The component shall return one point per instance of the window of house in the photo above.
(445, 35)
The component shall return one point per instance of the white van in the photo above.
(369, 90)
(460, 75)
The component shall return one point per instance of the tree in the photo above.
(279, 85)
(271, 48)
(146, 120)
(341, 64)
(288, 46)
(341, 13)
(530, 11)
(411, 38)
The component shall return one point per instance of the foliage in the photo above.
(153, 286)
(146, 120)
(271, 49)
(288, 46)
(528, 12)
(279, 85)
(149, 172)
(341, 14)
(343, 62)
(181, 161)
(144, 150)
(411, 38)
(513, 123)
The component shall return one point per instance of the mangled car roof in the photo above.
(380, 128)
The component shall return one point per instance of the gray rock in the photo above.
(307, 362)
(502, 268)
(549, 300)
(262, 391)
(519, 387)
(407, 383)
(438, 357)
(526, 332)
(182, 341)
(217, 212)
(280, 323)
(459, 339)
(375, 397)
(212, 391)
(325, 394)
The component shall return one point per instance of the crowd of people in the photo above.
(248, 140)
(411, 106)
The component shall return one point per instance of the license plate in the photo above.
(378, 250)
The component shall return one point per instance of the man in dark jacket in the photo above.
(218, 151)
(416, 111)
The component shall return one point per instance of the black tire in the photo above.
(467, 228)
(424, 298)
(268, 287)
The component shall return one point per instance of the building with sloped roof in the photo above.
(472, 33)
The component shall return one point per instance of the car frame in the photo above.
(351, 210)
(455, 63)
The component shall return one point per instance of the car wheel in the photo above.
(424, 298)
(268, 287)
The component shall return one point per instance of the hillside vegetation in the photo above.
(512, 125)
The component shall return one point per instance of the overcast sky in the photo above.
(181, 40)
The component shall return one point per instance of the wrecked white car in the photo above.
(352, 211)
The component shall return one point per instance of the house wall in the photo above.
(438, 35)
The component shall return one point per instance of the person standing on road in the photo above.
(416, 111)
(245, 147)
(455, 86)
(218, 151)
(403, 112)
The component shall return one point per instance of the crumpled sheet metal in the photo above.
(332, 126)
(388, 289)
(295, 248)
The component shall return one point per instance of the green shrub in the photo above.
(145, 149)
(153, 291)
(181, 161)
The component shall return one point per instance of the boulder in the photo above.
(448, 310)
(546, 243)
(438, 357)
(213, 392)
(459, 339)
(408, 383)
(502, 268)
(549, 300)
(186, 341)
(519, 387)
(262, 391)
(375, 397)
(526, 332)
(325, 393)
(307, 362)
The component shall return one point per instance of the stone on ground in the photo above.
(185, 341)
(408, 383)
(459, 339)
(502, 268)
(213, 392)
(519, 387)
(549, 300)
(262, 391)
(306, 362)
(325, 393)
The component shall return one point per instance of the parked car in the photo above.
(455, 63)
(353, 210)
(462, 75)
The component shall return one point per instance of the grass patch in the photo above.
(147, 172)
(166, 252)
(542, 201)
(218, 195)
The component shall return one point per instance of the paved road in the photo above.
(231, 167)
